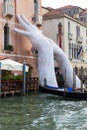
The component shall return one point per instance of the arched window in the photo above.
(74, 11)
(69, 12)
(6, 36)
(60, 35)
(60, 28)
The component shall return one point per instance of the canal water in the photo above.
(38, 111)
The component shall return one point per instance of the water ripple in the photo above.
(37, 111)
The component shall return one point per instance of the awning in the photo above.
(8, 64)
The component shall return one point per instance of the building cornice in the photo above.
(16, 55)
(62, 16)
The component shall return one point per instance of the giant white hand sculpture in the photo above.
(46, 47)
(45, 51)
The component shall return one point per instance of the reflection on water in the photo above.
(37, 111)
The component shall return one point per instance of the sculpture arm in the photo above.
(45, 51)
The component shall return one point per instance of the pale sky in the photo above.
(60, 3)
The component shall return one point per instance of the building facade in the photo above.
(13, 45)
(69, 32)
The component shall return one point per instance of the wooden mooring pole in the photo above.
(74, 80)
(24, 79)
(0, 79)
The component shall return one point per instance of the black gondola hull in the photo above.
(74, 94)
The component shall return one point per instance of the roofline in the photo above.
(64, 7)
(48, 8)
(63, 15)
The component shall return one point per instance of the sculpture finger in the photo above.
(29, 23)
(23, 24)
(21, 32)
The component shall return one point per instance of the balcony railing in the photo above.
(37, 19)
(8, 9)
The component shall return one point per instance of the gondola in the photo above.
(64, 93)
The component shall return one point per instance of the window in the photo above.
(69, 12)
(60, 28)
(60, 35)
(75, 51)
(70, 51)
(86, 19)
(68, 27)
(6, 35)
(81, 18)
(86, 32)
(35, 6)
(6, 0)
(74, 11)
(77, 31)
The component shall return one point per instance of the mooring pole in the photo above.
(74, 80)
(0, 78)
(24, 78)
(81, 78)
(65, 83)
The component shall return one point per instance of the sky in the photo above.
(60, 3)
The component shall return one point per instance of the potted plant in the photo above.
(9, 48)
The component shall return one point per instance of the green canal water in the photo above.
(38, 111)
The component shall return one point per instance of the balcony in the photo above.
(70, 36)
(37, 19)
(79, 39)
(8, 9)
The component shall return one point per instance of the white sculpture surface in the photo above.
(47, 51)
(65, 66)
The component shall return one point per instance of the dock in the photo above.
(14, 87)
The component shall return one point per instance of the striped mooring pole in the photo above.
(0, 79)
(24, 78)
